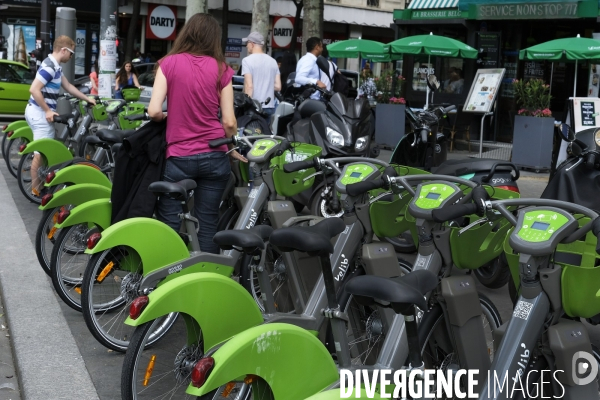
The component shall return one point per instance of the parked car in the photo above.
(15, 80)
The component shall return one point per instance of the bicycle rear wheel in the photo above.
(110, 284)
(45, 238)
(24, 178)
(11, 156)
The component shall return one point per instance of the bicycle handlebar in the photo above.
(300, 165)
(220, 142)
(138, 117)
(359, 188)
(62, 119)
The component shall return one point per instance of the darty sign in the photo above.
(161, 22)
(283, 28)
(527, 11)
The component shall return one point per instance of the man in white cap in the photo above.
(261, 75)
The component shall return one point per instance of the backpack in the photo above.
(340, 83)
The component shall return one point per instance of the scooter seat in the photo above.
(314, 240)
(400, 293)
(247, 239)
(177, 190)
(310, 107)
(114, 136)
(93, 140)
(463, 167)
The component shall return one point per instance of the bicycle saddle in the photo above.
(63, 118)
(114, 136)
(401, 293)
(314, 240)
(177, 190)
(247, 239)
(92, 139)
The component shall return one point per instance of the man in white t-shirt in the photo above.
(261, 74)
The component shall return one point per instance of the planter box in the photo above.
(532, 142)
(389, 124)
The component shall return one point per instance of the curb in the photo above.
(49, 364)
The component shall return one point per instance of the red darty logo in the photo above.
(162, 22)
(282, 32)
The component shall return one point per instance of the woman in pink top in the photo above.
(197, 82)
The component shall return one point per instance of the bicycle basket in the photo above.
(580, 278)
(99, 112)
(131, 94)
(130, 109)
(382, 211)
(483, 243)
(290, 184)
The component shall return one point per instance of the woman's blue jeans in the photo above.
(211, 172)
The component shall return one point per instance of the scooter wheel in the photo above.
(375, 151)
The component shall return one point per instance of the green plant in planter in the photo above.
(533, 97)
(390, 86)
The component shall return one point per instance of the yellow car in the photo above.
(15, 80)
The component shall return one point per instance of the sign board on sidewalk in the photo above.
(584, 113)
(161, 23)
(484, 90)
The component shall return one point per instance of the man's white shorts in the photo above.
(36, 119)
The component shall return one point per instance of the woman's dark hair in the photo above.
(288, 65)
(122, 74)
(325, 52)
(201, 36)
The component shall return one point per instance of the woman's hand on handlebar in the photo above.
(237, 156)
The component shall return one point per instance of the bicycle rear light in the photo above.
(201, 370)
(137, 306)
(93, 240)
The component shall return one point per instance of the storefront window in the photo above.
(449, 72)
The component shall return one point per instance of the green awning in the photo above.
(432, 4)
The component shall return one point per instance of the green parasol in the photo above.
(355, 48)
(432, 45)
(567, 49)
(361, 49)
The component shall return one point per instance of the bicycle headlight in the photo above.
(335, 138)
(361, 143)
(597, 137)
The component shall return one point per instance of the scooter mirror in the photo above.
(323, 64)
(432, 82)
(568, 133)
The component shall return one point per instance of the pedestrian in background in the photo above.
(288, 66)
(127, 76)
(41, 108)
(307, 71)
(261, 74)
(94, 78)
(197, 81)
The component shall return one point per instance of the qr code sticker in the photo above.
(522, 310)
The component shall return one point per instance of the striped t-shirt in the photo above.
(50, 74)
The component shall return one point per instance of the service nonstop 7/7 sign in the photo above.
(161, 22)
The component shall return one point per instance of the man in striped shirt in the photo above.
(44, 90)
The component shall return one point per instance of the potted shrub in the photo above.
(533, 127)
(390, 108)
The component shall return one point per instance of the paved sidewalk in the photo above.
(48, 362)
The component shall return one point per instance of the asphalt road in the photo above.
(104, 366)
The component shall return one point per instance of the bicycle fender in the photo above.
(23, 132)
(290, 359)
(80, 173)
(13, 126)
(335, 394)
(54, 151)
(76, 195)
(97, 212)
(155, 242)
(220, 305)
